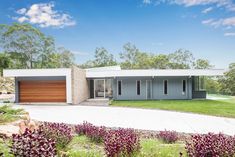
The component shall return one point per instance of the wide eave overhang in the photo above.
(36, 72)
(155, 73)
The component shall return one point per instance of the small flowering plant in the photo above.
(59, 132)
(121, 142)
(95, 133)
(211, 145)
(168, 136)
(32, 144)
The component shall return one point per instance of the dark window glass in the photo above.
(184, 85)
(119, 87)
(165, 86)
(138, 87)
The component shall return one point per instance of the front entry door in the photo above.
(99, 91)
(148, 89)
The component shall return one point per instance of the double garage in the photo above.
(41, 85)
(42, 91)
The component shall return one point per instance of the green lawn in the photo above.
(224, 108)
(81, 146)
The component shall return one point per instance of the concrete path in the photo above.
(132, 118)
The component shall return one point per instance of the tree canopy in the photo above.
(28, 47)
(24, 46)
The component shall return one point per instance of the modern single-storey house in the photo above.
(74, 85)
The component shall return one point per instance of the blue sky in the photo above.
(205, 27)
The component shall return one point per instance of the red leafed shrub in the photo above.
(59, 132)
(95, 133)
(32, 144)
(121, 142)
(82, 129)
(211, 145)
(168, 136)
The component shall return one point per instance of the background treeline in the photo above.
(24, 46)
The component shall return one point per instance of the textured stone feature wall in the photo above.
(80, 90)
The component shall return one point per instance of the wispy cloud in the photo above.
(80, 53)
(207, 10)
(228, 4)
(44, 15)
(147, 1)
(226, 22)
(229, 34)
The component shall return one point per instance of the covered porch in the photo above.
(100, 88)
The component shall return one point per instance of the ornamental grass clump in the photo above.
(211, 145)
(59, 132)
(32, 144)
(94, 133)
(168, 136)
(121, 142)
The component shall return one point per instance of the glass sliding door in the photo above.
(108, 88)
(99, 91)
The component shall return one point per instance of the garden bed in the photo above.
(87, 140)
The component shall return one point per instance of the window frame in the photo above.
(184, 87)
(137, 87)
(118, 87)
(164, 87)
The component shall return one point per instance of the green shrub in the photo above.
(8, 114)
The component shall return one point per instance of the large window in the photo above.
(184, 86)
(138, 87)
(165, 88)
(119, 87)
(199, 83)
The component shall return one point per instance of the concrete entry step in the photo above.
(95, 102)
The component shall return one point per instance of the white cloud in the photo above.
(44, 15)
(207, 10)
(228, 4)
(229, 34)
(22, 19)
(227, 22)
(80, 53)
(147, 1)
(207, 21)
(21, 11)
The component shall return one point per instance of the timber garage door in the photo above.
(42, 91)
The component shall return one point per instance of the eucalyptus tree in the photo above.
(103, 58)
(23, 42)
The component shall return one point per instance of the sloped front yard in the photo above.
(88, 140)
(222, 107)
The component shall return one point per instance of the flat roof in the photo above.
(102, 73)
(154, 72)
(36, 72)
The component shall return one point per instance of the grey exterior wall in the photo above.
(17, 79)
(175, 88)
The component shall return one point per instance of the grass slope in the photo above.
(224, 108)
(81, 146)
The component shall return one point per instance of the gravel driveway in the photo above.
(132, 118)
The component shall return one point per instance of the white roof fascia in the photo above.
(36, 72)
(108, 68)
(143, 73)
